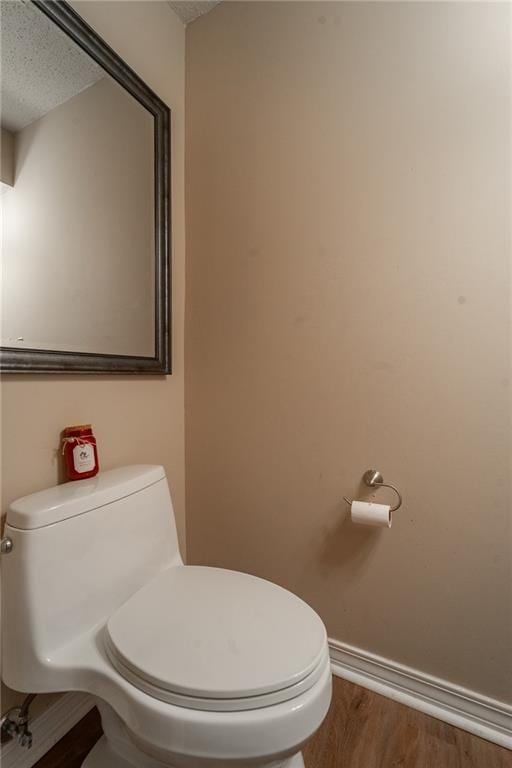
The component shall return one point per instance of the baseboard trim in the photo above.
(482, 716)
(47, 729)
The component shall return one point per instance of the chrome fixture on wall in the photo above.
(373, 478)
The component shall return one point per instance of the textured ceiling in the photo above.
(41, 66)
(188, 11)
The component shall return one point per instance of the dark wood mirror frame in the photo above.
(14, 360)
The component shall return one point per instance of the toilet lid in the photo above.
(216, 639)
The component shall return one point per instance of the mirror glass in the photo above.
(78, 197)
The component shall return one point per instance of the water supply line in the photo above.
(14, 724)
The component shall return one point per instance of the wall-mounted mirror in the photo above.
(85, 201)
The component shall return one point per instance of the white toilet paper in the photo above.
(368, 513)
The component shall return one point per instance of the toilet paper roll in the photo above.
(368, 513)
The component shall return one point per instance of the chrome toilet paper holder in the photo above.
(373, 478)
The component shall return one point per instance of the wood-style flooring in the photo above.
(72, 749)
(362, 730)
(365, 730)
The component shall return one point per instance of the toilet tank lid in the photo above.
(64, 501)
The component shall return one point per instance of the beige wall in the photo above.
(88, 160)
(347, 307)
(136, 419)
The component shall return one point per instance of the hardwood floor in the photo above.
(365, 730)
(362, 730)
(71, 751)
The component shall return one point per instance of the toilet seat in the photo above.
(216, 640)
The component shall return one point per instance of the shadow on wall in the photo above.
(346, 547)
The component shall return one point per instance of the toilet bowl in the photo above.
(190, 666)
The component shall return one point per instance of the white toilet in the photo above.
(189, 666)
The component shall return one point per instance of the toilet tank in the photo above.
(79, 551)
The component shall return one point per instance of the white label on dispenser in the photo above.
(83, 457)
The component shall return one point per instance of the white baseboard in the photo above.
(484, 717)
(47, 729)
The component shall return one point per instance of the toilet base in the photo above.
(116, 749)
(103, 756)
